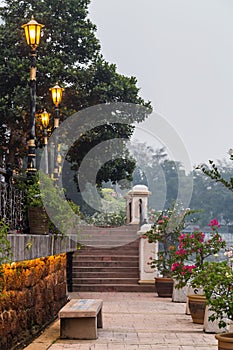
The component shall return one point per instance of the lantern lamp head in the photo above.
(56, 92)
(32, 31)
(45, 118)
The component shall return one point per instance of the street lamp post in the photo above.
(56, 92)
(45, 122)
(32, 31)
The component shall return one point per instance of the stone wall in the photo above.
(32, 293)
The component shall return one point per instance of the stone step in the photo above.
(108, 233)
(123, 263)
(92, 263)
(105, 274)
(103, 243)
(128, 248)
(114, 288)
(107, 252)
(133, 245)
(100, 281)
(103, 230)
(107, 269)
(111, 235)
(89, 257)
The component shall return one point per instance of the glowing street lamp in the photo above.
(32, 31)
(56, 93)
(44, 117)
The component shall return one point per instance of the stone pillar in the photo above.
(137, 205)
(146, 250)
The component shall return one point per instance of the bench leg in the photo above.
(78, 328)
(100, 319)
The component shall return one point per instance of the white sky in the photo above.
(181, 52)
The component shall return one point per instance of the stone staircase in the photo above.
(110, 264)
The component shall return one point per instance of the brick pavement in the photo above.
(134, 321)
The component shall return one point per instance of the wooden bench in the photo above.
(80, 318)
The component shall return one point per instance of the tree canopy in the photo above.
(69, 53)
(164, 176)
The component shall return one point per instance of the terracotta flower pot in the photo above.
(225, 341)
(197, 305)
(164, 286)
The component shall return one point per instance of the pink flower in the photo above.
(174, 266)
(201, 237)
(214, 223)
(181, 251)
(182, 236)
(160, 222)
(189, 268)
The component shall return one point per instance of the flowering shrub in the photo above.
(193, 250)
(166, 230)
(217, 280)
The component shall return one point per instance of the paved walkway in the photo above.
(134, 321)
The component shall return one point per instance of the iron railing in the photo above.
(11, 204)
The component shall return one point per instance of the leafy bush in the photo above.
(109, 219)
(5, 248)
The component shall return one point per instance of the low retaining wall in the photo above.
(27, 247)
(32, 293)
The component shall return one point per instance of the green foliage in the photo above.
(215, 174)
(64, 215)
(5, 248)
(216, 277)
(165, 230)
(41, 191)
(109, 219)
(32, 192)
(111, 201)
(113, 211)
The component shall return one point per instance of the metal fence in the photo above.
(12, 206)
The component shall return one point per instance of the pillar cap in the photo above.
(139, 190)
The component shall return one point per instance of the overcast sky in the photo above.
(181, 52)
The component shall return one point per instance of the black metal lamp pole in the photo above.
(56, 92)
(32, 32)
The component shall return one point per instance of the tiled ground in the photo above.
(135, 321)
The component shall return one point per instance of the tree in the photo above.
(162, 175)
(216, 183)
(219, 172)
(69, 53)
(165, 177)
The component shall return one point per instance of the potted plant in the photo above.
(217, 280)
(166, 230)
(190, 260)
(46, 205)
(37, 217)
